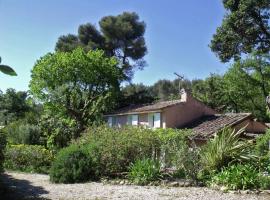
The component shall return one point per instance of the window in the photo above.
(111, 121)
(154, 120)
(132, 120)
(157, 120)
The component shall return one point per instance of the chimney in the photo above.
(183, 95)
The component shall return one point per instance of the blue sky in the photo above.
(177, 35)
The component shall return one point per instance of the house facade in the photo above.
(166, 114)
(187, 112)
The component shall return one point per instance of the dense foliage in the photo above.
(73, 164)
(144, 171)
(245, 28)
(241, 177)
(2, 149)
(28, 158)
(121, 36)
(116, 148)
(13, 106)
(224, 149)
(262, 144)
(19, 132)
(76, 88)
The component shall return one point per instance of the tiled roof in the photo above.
(208, 125)
(145, 108)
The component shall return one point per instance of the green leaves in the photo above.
(245, 28)
(121, 36)
(7, 70)
(225, 148)
(76, 86)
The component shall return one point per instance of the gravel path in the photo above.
(37, 186)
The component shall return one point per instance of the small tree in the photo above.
(76, 86)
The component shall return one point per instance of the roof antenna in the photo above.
(181, 77)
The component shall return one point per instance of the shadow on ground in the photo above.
(16, 189)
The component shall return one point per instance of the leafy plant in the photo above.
(73, 164)
(144, 171)
(117, 148)
(20, 132)
(262, 144)
(226, 147)
(7, 69)
(240, 177)
(264, 182)
(28, 158)
(76, 86)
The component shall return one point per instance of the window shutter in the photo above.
(157, 120)
(110, 121)
(150, 120)
(134, 120)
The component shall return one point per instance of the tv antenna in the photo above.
(181, 77)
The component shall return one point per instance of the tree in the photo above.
(121, 36)
(13, 105)
(248, 84)
(7, 69)
(135, 94)
(168, 90)
(76, 85)
(211, 91)
(245, 28)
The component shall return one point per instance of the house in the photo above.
(166, 114)
(206, 127)
(187, 112)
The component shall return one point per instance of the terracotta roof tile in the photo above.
(145, 108)
(208, 125)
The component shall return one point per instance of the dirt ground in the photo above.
(37, 186)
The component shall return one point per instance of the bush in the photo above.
(264, 182)
(262, 144)
(117, 148)
(20, 132)
(241, 177)
(144, 171)
(2, 148)
(179, 173)
(28, 158)
(224, 149)
(73, 164)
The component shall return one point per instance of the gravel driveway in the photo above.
(37, 186)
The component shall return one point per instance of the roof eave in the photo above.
(133, 113)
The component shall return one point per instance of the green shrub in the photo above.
(144, 171)
(20, 132)
(73, 164)
(262, 144)
(2, 149)
(239, 177)
(179, 173)
(117, 148)
(28, 158)
(264, 182)
(225, 148)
